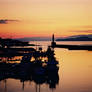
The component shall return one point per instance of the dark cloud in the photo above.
(6, 21)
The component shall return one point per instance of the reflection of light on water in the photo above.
(76, 73)
(75, 42)
(43, 44)
(15, 59)
(32, 59)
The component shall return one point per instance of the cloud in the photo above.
(88, 26)
(83, 31)
(6, 21)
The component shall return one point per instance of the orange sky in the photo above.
(27, 18)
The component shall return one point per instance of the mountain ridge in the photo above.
(34, 39)
(76, 38)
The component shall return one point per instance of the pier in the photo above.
(15, 51)
(70, 47)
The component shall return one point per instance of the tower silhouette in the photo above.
(53, 43)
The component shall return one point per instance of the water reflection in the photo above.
(51, 79)
(38, 71)
(74, 75)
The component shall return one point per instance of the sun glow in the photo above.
(43, 18)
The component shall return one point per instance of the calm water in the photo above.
(75, 73)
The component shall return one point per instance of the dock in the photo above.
(74, 47)
(70, 47)
(15, 51)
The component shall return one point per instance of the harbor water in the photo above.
(74, 75)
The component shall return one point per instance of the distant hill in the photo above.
(76, 38)
(34, 39)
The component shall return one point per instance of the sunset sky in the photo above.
(31, 18)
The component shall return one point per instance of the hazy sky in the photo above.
(27, 18)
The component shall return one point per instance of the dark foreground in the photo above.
(39, 70)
